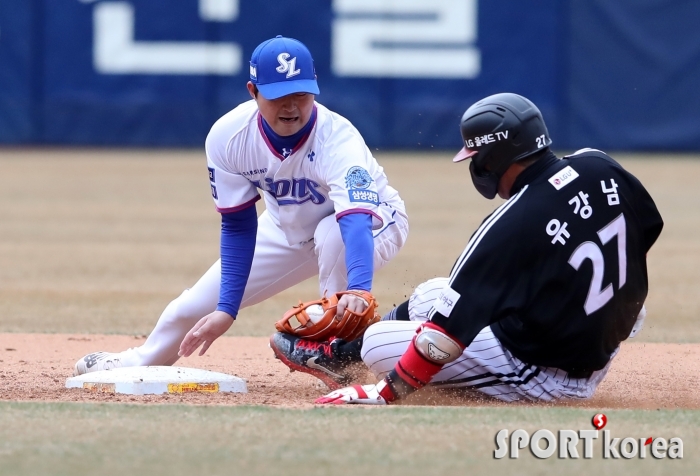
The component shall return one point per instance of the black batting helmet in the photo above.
(498, 131)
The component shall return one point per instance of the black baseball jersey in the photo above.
(559, 270)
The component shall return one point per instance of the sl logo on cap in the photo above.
(287, 66)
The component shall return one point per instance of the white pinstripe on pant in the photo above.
(484, 365)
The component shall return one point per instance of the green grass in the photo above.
(111, 439)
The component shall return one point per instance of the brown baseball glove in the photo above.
(317, 319)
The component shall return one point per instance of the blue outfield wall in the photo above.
(612, 75)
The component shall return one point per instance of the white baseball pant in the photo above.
(484, 365)
(276, 267)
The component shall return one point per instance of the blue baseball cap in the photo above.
(282, 66)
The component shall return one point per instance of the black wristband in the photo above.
(398, 386)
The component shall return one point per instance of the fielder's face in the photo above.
(286, 115)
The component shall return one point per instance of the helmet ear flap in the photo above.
(486, 183)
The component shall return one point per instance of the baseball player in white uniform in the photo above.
(329, 209)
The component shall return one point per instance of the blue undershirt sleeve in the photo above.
(356, 230)
(238, 231)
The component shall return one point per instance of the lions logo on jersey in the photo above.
(357, 181)
(358, 178)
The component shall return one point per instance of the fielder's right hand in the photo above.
(206, 331)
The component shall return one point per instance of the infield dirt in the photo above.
(35, 366)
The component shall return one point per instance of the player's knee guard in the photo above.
(436, 346)
(430, 350)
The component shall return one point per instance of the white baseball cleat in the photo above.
(97, 361)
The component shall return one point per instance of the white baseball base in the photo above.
(157, 380)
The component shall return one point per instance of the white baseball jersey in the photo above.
(332, 171)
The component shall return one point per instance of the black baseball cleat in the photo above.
(315, 358)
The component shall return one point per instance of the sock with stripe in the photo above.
(399, 313)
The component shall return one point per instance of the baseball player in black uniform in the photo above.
(538, 302)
